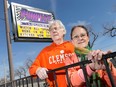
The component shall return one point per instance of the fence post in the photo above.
(55, 78)
(108, 72)
(85, 75)
(68, 79)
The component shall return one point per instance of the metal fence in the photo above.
(34, 81)
(29, 81)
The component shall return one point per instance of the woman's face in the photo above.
(56, 32)
(80, 37)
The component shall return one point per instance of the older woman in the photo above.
(53, 56)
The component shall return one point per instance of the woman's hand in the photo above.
(96, 57)
(42, 73)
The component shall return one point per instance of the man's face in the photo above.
(56, 32)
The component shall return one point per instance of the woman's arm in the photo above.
(76, 73)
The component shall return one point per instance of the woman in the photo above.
(53, 56)
(95, 70)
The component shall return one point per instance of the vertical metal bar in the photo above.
(85, 75)
(68, 79)
(26, 81)
(55, 79)
(32, 81)
(113, 60)
(23, 81)
(16, 83)
(108, 72)
(13, 82)
(19, 83)
(38, 81)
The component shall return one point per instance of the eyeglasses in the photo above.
(55, 28)
(81, 35)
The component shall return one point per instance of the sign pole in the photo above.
(9, 49)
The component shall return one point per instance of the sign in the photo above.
(30, 24)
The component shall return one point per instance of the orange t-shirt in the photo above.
(52, 57)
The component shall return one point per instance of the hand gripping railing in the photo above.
(82, 65)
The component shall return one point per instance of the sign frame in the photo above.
(30, 24)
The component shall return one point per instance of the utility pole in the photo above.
(9, 49)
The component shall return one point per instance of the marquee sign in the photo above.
(30, 24)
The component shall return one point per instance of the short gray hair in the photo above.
(56, 21)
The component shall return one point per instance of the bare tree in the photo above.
(110, 28)
(23, 70)
(2, 81)
(28, 63)
(8, 76)
(18, 73)
(93, 35)
(111, 31)
(5, 79)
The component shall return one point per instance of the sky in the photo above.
(71, 12)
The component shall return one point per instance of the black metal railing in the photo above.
(34, 81)
(29, 81)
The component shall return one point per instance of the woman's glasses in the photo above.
(55, 28)
(83, 35)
